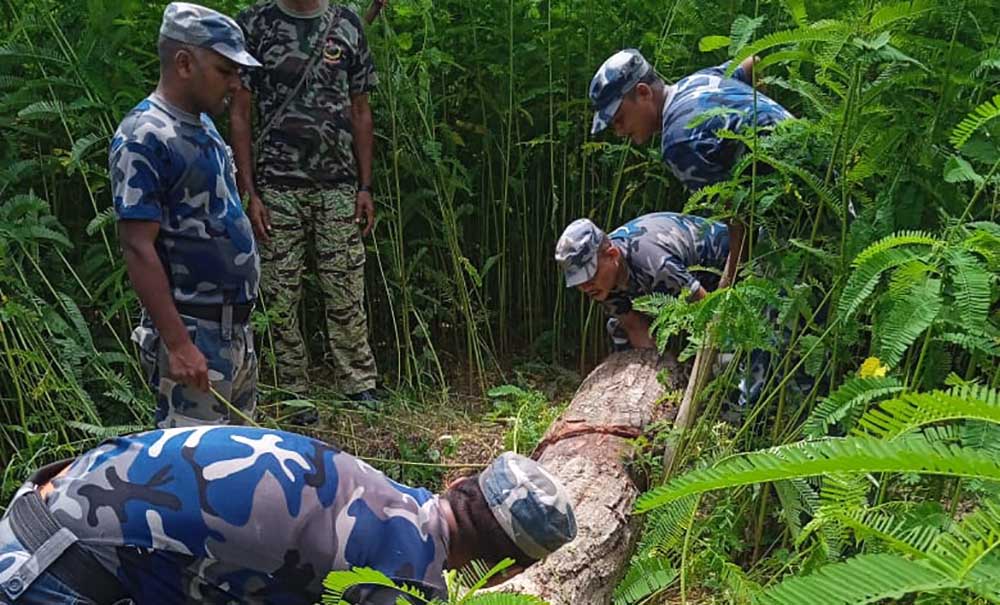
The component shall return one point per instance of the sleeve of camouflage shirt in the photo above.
(361, 70)
(137, 178)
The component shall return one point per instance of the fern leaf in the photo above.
(916, 454)
(103, 219)
(890, 14)
(896, 240)
(972, 288)
(847, 401)
(862, 579)
(913, 410)
(976, 119)
(866, 276)
(910, 315)
(964, 546)
(84, 145)
(644, 578)
(42, 109)
(823, 31)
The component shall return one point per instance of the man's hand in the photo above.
(260, 218)
(364, 212)
(188, 366)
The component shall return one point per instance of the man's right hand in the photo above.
(188, 366)
(260, 218)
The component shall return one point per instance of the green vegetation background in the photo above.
(874, 237)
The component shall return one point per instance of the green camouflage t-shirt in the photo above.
(311, 143)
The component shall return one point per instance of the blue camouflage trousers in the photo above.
(232, 372)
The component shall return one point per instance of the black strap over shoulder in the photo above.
(57, 549)
(335, 14)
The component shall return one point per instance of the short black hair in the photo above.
(478, 529)
(167, 49)
(651, 79)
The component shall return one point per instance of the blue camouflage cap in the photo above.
(199, 26)
(576, 251)
(529, 504)
(613, 80)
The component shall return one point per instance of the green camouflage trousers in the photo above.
(326, 217)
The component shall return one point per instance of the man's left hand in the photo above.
(364, 212)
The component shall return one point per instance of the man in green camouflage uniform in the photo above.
(313, 147)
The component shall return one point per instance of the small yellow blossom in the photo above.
(872, 368)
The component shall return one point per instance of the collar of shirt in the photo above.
(176, 112)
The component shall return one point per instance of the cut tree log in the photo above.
(587, 449)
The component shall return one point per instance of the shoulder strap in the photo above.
(313, 59)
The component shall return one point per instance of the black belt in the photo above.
(33, 525)
(241, 312)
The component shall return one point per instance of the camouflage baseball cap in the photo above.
(529, 504)
(613, 80)
(576, 251)
(199, 26)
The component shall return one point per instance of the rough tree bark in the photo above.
(618, 399)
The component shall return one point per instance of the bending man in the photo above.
(655, 253)
(226, 514)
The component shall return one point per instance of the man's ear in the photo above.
(643, 91)
(184, 62)
(456, 482)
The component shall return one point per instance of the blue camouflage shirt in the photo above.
(172, 167)
(696, 155)
(238, 515)
(660, 249)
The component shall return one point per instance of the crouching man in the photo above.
(226, 514)
(661, 253)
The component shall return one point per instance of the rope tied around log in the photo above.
(575, 427)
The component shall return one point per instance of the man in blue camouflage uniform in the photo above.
(188, 245)
(240, 515)
(627, 94)
(655, 253)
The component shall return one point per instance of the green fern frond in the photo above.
(969, 542)
(910, 411)
(847, 402)
(907, 319)
(867, 275)
(916, 454)
(84, 145)
(972, 343)
(976, 119)
(337, 583)
(666, 527)
(644, 579)
(900, 534)
(42, 109)
(101, 220)
(896, 240)
(821, 31)
(862, 579)
(972, 283)
(890, 14)
(502, 598)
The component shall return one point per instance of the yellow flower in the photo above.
(872, 368)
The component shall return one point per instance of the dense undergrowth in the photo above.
(871, 279)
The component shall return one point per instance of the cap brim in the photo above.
(239, 57)
(581, 275)
(604, 116)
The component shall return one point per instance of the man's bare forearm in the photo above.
(364, 137)
(150, 282)
(241, 132)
